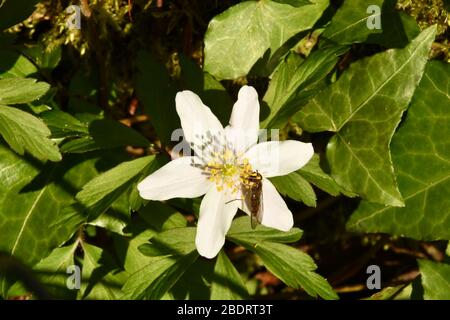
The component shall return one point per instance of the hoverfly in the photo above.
(252, 191)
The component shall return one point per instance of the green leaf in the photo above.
(63, 125)
(14, 11)
(227, 283)
(162, 272)
(241, 231)
(100, 279)
(421, 155)
(435, 280)
(52, 272)
(293, 267)
(364, 107)
(13, 64)
(241, 35)
(176, 242)
(32, 198)
(24, 132)
(313, 173)
(295, 187)
(349, 24)
(295, 82)
(99, 193)
(157, 92)
(21, 90)
(105, 134)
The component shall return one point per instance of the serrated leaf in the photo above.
(21, 90)
(105, 134)
(315, 175)
(175, 242)
(238, 37)
(13, 64)
(162, 272)
(295, 187)
(421, 155)
(435, 280)
(99, 193)
(100, 279)
(293, 267)
(364, 107)
(295, 82)
(52, 273)
(242, 231)
(63, 125)
(227, 283)
(24, 132)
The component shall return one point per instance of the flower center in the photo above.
(224, 166)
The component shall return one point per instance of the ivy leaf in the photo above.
(364, 107)
(238, 37)
(21, 90)
(350, 24)
(227, 283)
(52, 272)
(421, 155)
(24, 132)
(295, 187)
(99, 193)
(295, 82)
(32, 198)
(435, 280)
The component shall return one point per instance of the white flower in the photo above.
(224, 157)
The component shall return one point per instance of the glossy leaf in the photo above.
(421, 154)
(350, 24)
(364, 107)
(241, 35)
(435, 279)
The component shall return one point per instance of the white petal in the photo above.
(215, 219)
(197, 120)
(276, 214)
(278, 158)
(177, 179)
(244, 120)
